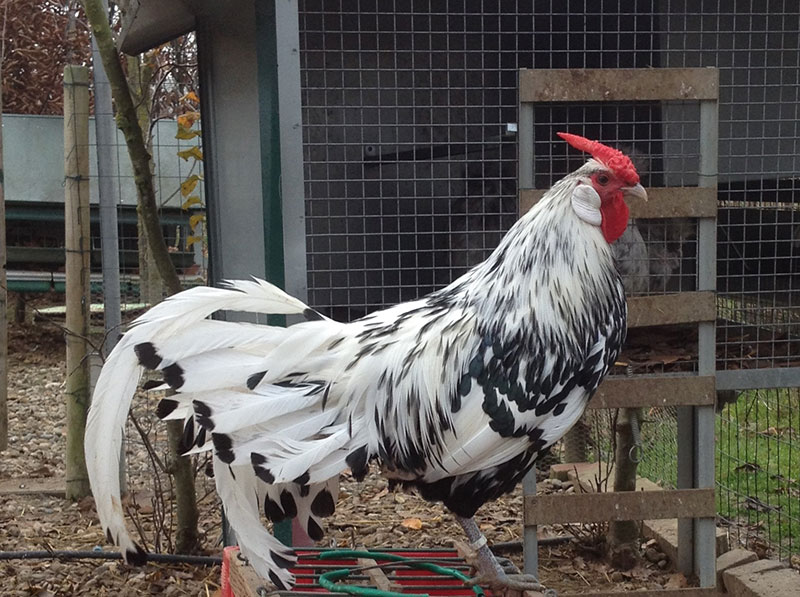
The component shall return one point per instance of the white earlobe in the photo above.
(586, 203)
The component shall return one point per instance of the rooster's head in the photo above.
(612, 175)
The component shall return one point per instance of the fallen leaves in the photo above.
(414, 524)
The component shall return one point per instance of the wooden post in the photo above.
(76, 219)
(3, 293)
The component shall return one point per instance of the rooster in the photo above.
(455, 394)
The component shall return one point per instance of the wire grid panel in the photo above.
(655, 456)
(758, 459)
(410, 163)
(410, 168)
(138, 284)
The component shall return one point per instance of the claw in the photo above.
(505, 583)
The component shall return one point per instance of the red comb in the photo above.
(613, 158)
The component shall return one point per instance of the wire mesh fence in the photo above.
(410, 165)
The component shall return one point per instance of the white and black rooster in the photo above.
(454, 394)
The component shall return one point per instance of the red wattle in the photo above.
(615, 218)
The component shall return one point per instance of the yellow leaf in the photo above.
(187, 119)
(412, 523)
(192, 152)
(188, 185)
(185, 133)
(193, 200)
(192, 97)
(195, 220)
(190, 240)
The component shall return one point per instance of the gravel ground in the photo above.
(367, 514)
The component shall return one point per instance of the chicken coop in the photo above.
(410, 122)
(401, 169)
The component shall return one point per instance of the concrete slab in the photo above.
(762, 578)
(732, 559)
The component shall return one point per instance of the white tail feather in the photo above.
(177, 327)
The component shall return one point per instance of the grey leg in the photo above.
(490, 574)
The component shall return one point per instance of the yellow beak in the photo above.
(636, 192)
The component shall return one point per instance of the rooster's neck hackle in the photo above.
(551, 273)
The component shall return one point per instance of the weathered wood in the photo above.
(77, 246)
(243, 579)
(671, 309)
(654, 391)
(662, 202)
(377, 576)
(3, 292)
(633, 505)
(686, 592)
(619, 84)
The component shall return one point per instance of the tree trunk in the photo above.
(151, 288)
(129, 123)
(624, 534)
(187, 537)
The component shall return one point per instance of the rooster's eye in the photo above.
(602, 179)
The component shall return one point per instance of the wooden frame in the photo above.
(662, 202)
(618, 85)
(558, 508)
(654, 391)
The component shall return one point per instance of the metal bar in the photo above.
(654, 391)
(614, 85)
(754, 379)
(106, 136)
(671, 309)
(662, 202)
(619, 505)
(525, 158)
(530, 539)
(291, 147)
(105, 133)
(704, 529)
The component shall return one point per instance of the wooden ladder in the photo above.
(694, 394)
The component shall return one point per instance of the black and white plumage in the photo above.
(455, 394)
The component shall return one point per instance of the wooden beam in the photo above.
(629, 505)
(244, 580)
(685, 592)
(618, 84)
(663, 202)
(671, 309)
(655, 391)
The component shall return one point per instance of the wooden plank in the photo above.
(618, 84)
(377, 577)
(628, 505)
(655, 391)
(671, 309)
(663, 202)
(685, 592)
(244, 580)
(51, 486)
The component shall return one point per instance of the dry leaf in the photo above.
(676, 581)
(412, 523)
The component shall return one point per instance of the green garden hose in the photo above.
(328, 579)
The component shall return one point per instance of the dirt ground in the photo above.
(367, 514)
